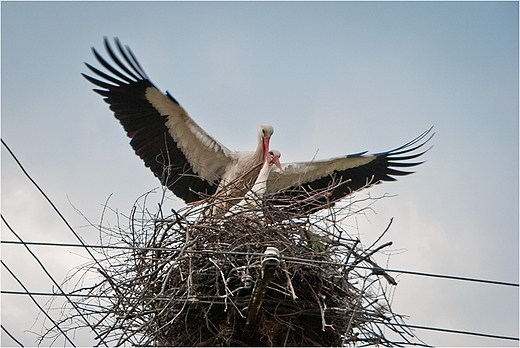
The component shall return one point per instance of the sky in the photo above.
(332, 78)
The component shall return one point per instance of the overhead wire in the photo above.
(122, 247)
(410, 326)
(63, 219)
(11, 336)
(74, 305)
(36, 303)
(48, 200)
(471, 333)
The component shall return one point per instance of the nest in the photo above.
(262, 278)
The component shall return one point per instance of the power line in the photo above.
(48, 200)
(74, 305)
(430, 328)
(444, 276)
(11, 336)
(53, 294)
(37, 304)
(120, 247)
(410, 326)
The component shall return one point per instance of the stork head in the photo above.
(274, 158)
(264, 135)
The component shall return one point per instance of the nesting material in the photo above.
(269, 278)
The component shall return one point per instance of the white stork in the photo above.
(193, 165)
(251, 200)
(179, 152)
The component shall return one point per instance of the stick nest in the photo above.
(189, 279)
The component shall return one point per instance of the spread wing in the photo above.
(315, 185)
(178, 151)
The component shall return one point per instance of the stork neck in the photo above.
(261, 150)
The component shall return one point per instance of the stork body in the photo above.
(178, 151)
(253, 197)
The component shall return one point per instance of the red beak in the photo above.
(265, 148)
(276, 161)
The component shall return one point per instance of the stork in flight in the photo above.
(193, 165)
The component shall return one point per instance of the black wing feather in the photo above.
(118, 62)
(324, 192)
(125, 91)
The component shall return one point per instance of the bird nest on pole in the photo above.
(262, 278)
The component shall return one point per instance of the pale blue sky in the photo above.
(338, 77)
